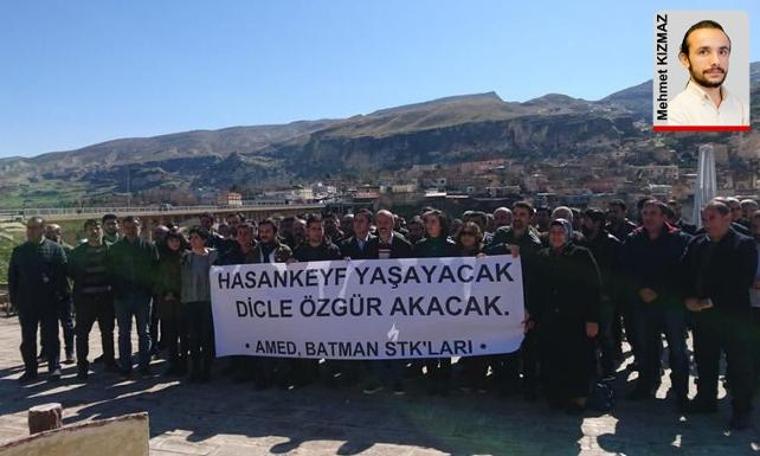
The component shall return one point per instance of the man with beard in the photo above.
(347, 226)
(207, 220)
(269, 249)
(705, 53)
(110, 229)
(749, 207)
(299, 232)
(618, 224)
(520, 234)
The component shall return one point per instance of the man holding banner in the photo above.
(316, 247)
(387, 245)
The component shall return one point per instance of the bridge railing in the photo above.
(8, 214)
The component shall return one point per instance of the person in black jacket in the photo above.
(168, 289)
(54, 232)
(358, 246)
(436, 244)
(93, 299)
(523, 239)
(132, 266)
(652, 273)
(566, 317)
(606, 250)
(316, 247)
(242, 251)
(36, 287)
(269, 249)
(719, 271)
(618, 224)
(388, 244)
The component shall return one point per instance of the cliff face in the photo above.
(535, 135)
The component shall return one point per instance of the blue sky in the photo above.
(75, 73)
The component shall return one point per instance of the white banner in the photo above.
(369, 309)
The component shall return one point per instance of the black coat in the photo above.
(566, 286)
(350, 248)
(606, 250)
(325, 251)
(435, 248)
(654, 264)
(722, 271)
(400, 247)
(37, 275)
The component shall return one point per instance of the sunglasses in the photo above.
(468, 233)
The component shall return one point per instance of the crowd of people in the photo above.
(592, 279)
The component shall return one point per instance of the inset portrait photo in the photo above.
(701, 71)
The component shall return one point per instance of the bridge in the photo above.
(161, 213)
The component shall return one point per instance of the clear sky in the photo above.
(73, 73)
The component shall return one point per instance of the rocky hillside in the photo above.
(440, 131)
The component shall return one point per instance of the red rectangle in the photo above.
(702, 128)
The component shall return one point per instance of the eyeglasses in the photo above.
(468, 233)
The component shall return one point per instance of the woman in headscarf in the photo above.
(566, 317)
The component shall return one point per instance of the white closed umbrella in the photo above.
(706, 186)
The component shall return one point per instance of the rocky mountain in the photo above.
(446, 130)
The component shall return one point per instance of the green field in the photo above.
(11, 234)
(49, 193)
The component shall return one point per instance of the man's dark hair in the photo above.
(595, 215)
(200, 232)
(313, 218)
(108, 217)
(443, 220)
(207, 215)
(36, 219)
(271, 222)
(415, 220)
(719, 206)
(132, 219)
(525, 205)
(366, 213)
(244, 226)
(618, 203)
(91, 222)
(706, 24)
(664, 209)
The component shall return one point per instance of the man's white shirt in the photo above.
(694, 107)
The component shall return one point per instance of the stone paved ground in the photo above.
(225, 418)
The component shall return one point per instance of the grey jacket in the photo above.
(195, 276)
